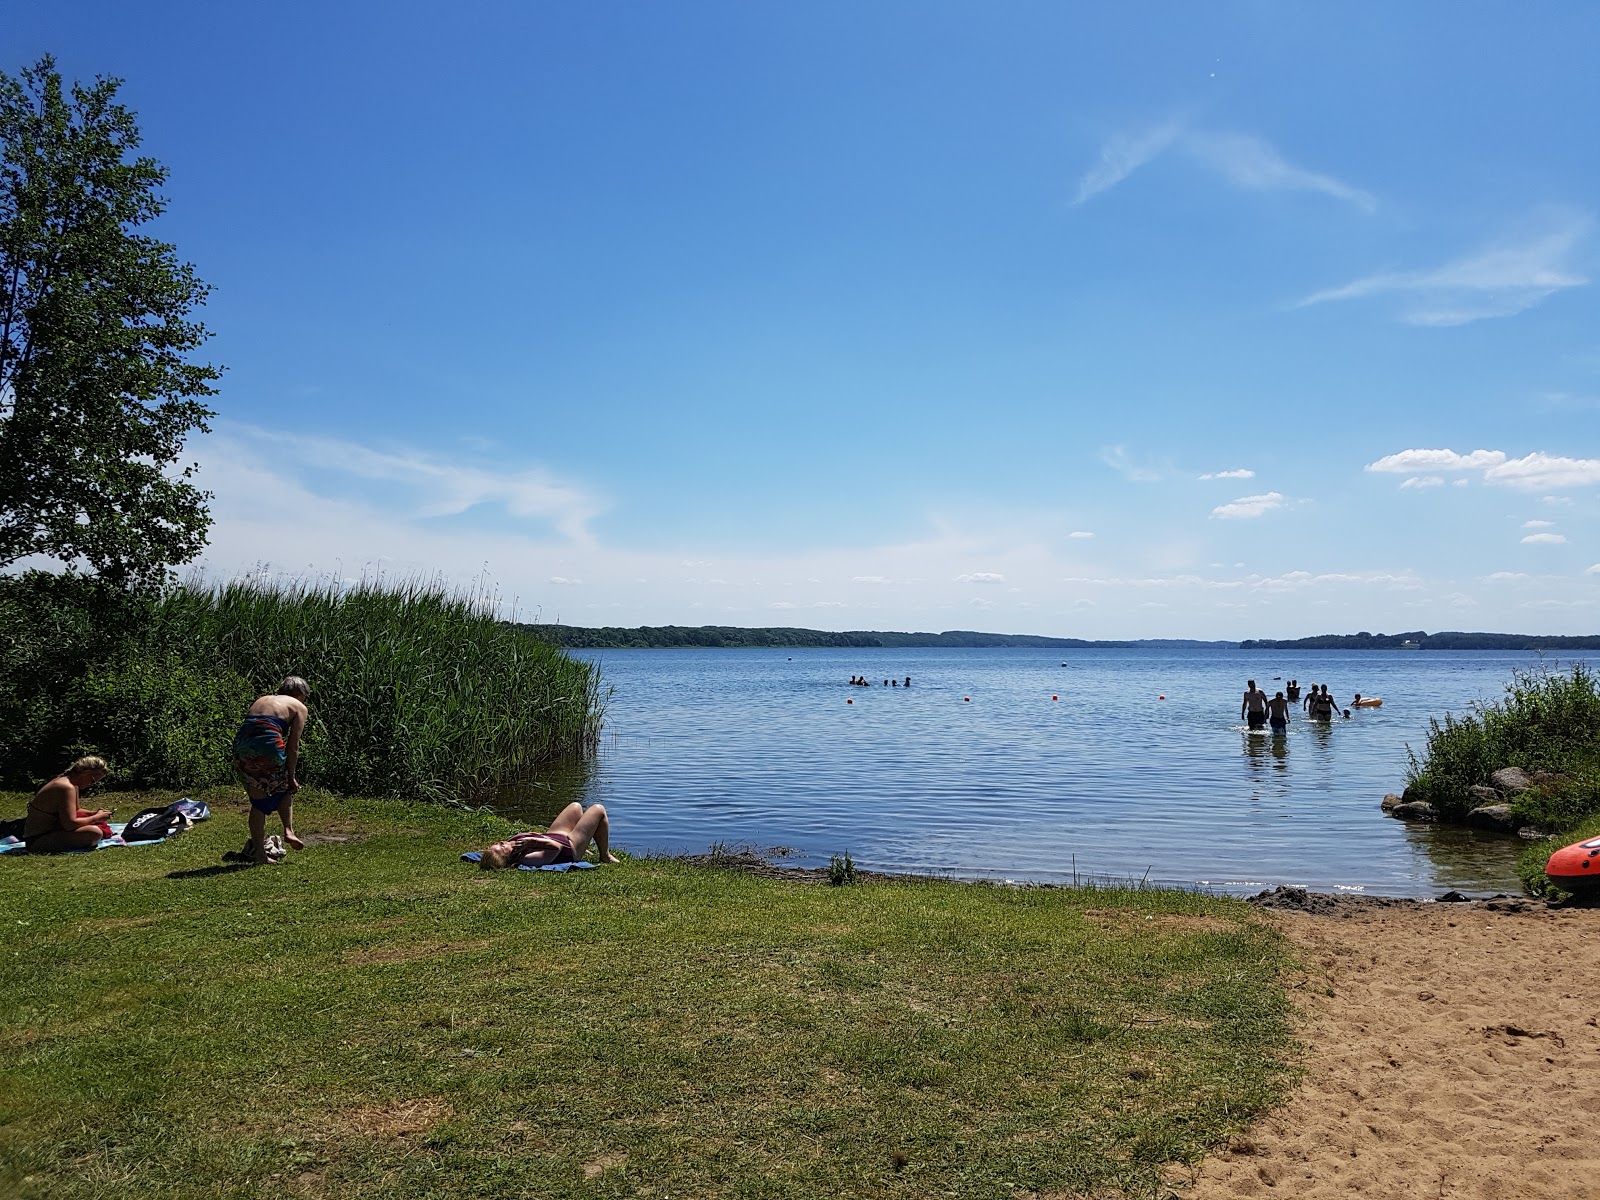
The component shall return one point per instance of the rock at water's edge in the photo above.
(1494, 816)
(1483, 795)
(1511, 780)
(1391, 800)
(1414, 810)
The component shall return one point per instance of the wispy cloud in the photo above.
(1080, 535)
(1248, 162)
(1237, 473)
(1243, 160)
(1498, 281)
(1536, 524)
(1249, 506)
(1543, 539)
(434, 487)
(1507, 577)
(981, 577)
(1118, 459)
(1124, 154)
(1422, 481)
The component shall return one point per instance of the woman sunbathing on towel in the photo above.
(567, 840)
(55, 822)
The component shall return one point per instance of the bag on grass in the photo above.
(153, 824)
(13, 827)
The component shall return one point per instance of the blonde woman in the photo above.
(55, 822)
(567, 840)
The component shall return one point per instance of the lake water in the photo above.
(760, 748)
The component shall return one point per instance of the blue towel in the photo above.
(473, 856)
(18, 846)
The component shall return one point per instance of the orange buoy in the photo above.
(1576, 867)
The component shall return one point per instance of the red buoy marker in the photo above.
(849, 701)
(1160, 697)
(966, 699)
(1055, 697)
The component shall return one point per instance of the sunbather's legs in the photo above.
(594, 826)
(567, 820)
(63, 839)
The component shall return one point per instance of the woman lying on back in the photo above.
(55, 822)
(567, 840)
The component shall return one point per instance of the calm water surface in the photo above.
(760, 748)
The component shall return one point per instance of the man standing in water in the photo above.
(1254, 706)
(1278, 712)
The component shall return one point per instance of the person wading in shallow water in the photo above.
(1278, 714)
(1254, 706)
(266, 751)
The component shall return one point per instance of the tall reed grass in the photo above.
(417, 689)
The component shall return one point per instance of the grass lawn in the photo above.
(376, 1019)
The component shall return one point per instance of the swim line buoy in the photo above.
(1576, 867)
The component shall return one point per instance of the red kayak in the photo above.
(1576, 867)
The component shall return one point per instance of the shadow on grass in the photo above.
(207, 872)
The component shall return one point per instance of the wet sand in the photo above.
(1458, 1057)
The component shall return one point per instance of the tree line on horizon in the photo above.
(1420, 640)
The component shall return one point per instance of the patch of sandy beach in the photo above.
(1457, 1057)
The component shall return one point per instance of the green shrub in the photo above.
(416, 690)
(1548, 720)
(1530, 867)
(841, 870)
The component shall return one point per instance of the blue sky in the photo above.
(1146, 320)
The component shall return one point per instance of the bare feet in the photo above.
(608, 857)
(289, 837)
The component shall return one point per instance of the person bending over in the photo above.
(266, 752)
(567, 840)
(55, 822)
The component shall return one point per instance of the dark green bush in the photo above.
(1548, 720)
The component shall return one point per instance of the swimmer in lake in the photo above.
(1278, 714)
(1254, 706)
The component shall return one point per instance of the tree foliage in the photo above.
(97, 392)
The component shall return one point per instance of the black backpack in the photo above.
(152, 824)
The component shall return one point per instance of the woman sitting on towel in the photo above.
(566, 841)
(55, 822)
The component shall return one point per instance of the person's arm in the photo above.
(297, 724)
(534, 849)
(1244, 704)
(69, 814)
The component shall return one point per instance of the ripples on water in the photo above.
(760, 748)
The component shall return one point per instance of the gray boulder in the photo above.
(1414, 810)
(1494, 816)
(1546, 779)
(1391, 800)
(1483, 795)
(1511, 780)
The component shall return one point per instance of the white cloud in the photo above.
(1080, 534)
(1249, 506)
(1537, 524)
(1498, 281)
(1506, 577)
(1407, 461)
(1594, 570)
(1124, 154)
(869, 579)
(981, 577)
(1238, 473)
(1422, 481)
(1538, 471)
(1543, 539)
(1249, 162)
(563, 581)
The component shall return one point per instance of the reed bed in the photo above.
(417, 689)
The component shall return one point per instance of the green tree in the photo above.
(97, 392)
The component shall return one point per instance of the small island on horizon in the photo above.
(732, 637)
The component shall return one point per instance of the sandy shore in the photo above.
(1458, 1055)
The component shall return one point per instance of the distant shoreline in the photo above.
(729, 637)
